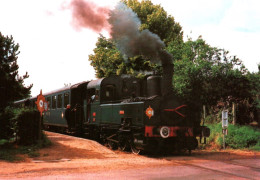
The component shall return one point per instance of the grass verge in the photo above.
(11, 152)
(239, 137)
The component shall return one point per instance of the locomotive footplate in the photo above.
(166, 132)
(157, 144)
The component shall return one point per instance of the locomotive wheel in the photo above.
(122, 146)
(112, 145)
(189, 152)
(123, 143)
(134, 149)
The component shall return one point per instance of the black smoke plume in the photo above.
(125, 31)
(130, 40)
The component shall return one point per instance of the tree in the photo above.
(11, 84)
(254, 105)
(107, 60)
(156, 19)
(207, 74)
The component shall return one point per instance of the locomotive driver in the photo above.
(68, 116)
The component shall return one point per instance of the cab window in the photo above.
(96, 95)
(109, 93)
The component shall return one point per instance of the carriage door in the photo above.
(89, 101)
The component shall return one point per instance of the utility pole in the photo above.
(224, 126)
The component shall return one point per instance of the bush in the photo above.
(215, 135)
(238, 137)
(20, 126)
(256, 147)
(28, 126)
(242, 137)
(3, 142)
(6, 124)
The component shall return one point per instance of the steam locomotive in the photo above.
(127, 113)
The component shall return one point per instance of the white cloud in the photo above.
(243, 16)
(229, 24)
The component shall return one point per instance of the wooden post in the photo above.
(42, 106)
(224, 142)
(40, 128)
(234, 113)
(204, 114)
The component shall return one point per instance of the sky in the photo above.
(54, 53)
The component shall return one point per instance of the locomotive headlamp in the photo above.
(165, 132)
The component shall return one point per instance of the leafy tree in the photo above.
(11, 84)
(254, 101)
(107, 60)
(156, 19)
(206, 74)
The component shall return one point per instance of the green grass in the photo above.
(9, 154)
(3, 142)
(256, 147)
(10, 151)
(239, 137)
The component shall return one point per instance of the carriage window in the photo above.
(54, 100)
(66, 99)
(48, 101)
(59, 105)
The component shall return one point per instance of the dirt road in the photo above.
(74, 158)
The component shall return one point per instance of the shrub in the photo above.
(20, 126)
(6, 125)
(242, 137)
(3, 142)
(215, 134)
(238, 137)
(256, 147)
(28, 126)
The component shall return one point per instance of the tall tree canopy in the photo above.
(156, 19)
(11, 84)
(205, 74)
(107, 60)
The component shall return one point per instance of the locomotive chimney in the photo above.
(167, 87)
(167, 64)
